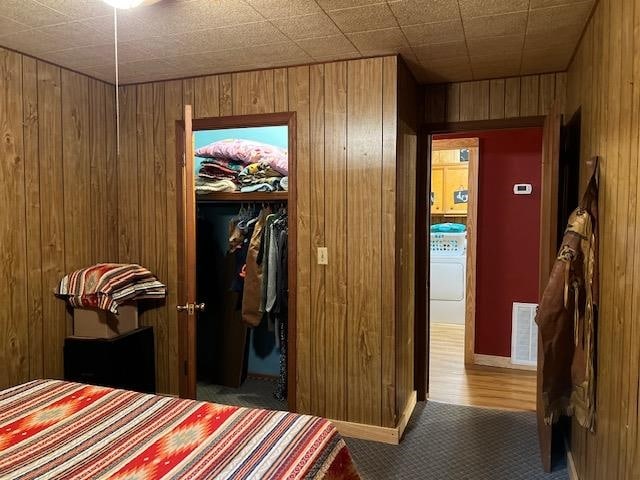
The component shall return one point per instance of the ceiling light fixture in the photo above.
(124, 3)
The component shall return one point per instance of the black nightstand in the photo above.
(126, 361)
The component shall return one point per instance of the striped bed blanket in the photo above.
(107, 285)
(50, 429)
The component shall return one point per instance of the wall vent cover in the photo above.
(524, 334)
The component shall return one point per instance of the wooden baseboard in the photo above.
(390, 435)
(500, 362)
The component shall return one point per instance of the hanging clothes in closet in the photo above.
(260, 243)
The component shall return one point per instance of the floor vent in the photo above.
(524, 334)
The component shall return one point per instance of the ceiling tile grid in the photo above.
(441, 40)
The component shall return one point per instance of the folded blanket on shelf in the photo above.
(217, 185)
(258, 187)
(105, 286)
(259, 173)
(247, 152)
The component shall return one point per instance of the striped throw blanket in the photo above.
(59, 430)
(107, 285)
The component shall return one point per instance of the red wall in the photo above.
(508, 232)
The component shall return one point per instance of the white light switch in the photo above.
(323, 256)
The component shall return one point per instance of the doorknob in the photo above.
(191, 308)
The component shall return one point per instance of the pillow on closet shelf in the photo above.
(247, 152)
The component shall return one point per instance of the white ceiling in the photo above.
(442, 40)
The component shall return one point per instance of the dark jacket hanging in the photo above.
(567, 318)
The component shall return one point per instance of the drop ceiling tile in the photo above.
(454, 69)
(226, 38)
(336, 58)
(359, 19)
(29, 12)
(142, 68)
(482, 72)
(558, 17)
(307, 26)
(429, 33)
(412, 12)
(97, 55)
(440, 50)
(167, 18)
(106, 73)
(553, 3)
(495, 45)
(129, 27)
(340, 4)
(496, 60)
(158, 47)
(284, 8)
(557, 38)
(31, 42)
(540, 61)
(71, 35)
(480, 8)
(496, 25)
(8, 26)
(78, 9)
(331, 46)
(286, 53)
(379, 42)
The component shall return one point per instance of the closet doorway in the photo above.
(236, 259)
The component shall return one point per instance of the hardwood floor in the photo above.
(451, 382)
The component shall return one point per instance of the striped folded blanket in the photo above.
(105, 286)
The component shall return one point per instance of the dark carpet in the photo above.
(454, 442)
(253, 393)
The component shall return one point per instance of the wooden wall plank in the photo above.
(529, 94)
(317, 227)
(364, 152)
(497, 98)
(206, 97)
(253, 92)
(601, 81)
(435, 106)
(147, 199)
(335, 108)
(77, 167)
(52, 215)
(32, 224)
(298, 83)
(173, 111)
(280, 96)
(160, 260)
(388, 258)
(453, 102)
(14, 340)
(98, 176)
(512, 97)
(128, 179)
(547, 93)
(226, 92)
(111, 157)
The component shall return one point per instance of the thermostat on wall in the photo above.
(522, 189)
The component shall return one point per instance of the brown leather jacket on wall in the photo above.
(566, 318)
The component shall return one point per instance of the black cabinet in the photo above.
(126, 361)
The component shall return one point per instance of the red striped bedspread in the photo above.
(56, 429)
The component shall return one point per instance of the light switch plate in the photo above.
(323, 256)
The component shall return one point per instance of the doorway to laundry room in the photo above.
(484, 240)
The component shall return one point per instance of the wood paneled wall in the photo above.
(604, 81)
(347, 181)
(497, 99)
(58, 192)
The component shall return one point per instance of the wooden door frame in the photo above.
(187, 334)
(423, 177)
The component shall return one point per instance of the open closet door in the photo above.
(186, 246)
(548, 250)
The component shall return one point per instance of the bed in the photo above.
(56, 429)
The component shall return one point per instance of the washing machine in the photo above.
(448, 277)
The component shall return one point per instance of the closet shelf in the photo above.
(244, 197)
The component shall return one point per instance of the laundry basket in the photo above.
(449, 243)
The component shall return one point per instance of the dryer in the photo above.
(448, 278)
